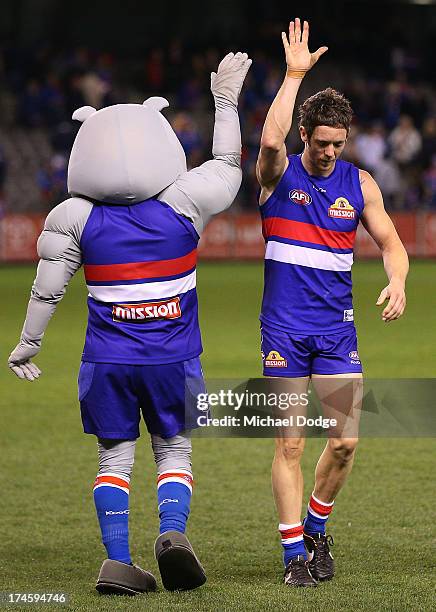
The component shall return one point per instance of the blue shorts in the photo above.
(292, 355)
(113, 396)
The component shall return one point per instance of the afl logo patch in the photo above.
(300, 197)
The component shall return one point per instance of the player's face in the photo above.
(324, 146)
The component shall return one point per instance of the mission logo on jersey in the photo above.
(138, 313)
(275, 360)
(342, 209)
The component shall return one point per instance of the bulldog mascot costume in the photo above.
(133, 221)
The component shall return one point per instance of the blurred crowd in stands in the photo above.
(393, 134)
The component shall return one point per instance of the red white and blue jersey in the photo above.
(309, 225)
(140, 269)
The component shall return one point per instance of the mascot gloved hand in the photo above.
(20, 364)
(133, 222)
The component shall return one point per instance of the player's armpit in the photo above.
(205, 191)
(271, 165)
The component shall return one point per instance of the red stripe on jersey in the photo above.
(188, 477)
(319, 508)
(306, 232)
(294, 532)
(141, 269)
(111, 480)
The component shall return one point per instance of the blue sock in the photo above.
(111, 498)
(318, 513)
(174, 490)
(292, 541)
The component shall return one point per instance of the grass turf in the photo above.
(382, 523)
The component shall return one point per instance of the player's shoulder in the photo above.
(370, 189)
(67, 215)
(367, 181)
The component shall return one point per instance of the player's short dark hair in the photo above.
(327, 107)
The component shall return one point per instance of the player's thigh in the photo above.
(340, 396)
(291, 401)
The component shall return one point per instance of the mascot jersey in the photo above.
(139, 263)
(133, 222)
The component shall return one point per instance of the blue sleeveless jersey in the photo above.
(140, 269)
(309, 225)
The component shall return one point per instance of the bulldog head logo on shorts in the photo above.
(275, 360)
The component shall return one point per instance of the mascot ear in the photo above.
(83, 113)
(156, 103)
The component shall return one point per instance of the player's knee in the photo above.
(343, 448)
(289, 449)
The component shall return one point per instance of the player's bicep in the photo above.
(271, 164)
(374, 218)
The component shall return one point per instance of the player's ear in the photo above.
(303, 134)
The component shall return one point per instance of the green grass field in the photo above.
(383, 519)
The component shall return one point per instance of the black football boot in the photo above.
(321, 564)
(297, 573)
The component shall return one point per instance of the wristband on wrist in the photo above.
(295, 74)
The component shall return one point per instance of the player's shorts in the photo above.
(113, 396)
(292, 355)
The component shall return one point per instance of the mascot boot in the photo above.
(179, 566)
(118, 578)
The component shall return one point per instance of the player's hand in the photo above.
(298, 56)
(20, 364)
(227, 81)
(396, 294)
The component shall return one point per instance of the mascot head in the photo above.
(124, 153)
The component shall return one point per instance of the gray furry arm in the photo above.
(211, 188)
(59, 250)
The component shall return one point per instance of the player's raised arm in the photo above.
(59, 250)
(272, 160)
(212, 187)
(379, 225)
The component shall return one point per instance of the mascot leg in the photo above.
(111, 497)
(179, 567)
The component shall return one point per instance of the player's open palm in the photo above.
(298, 56)
(396, 295)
